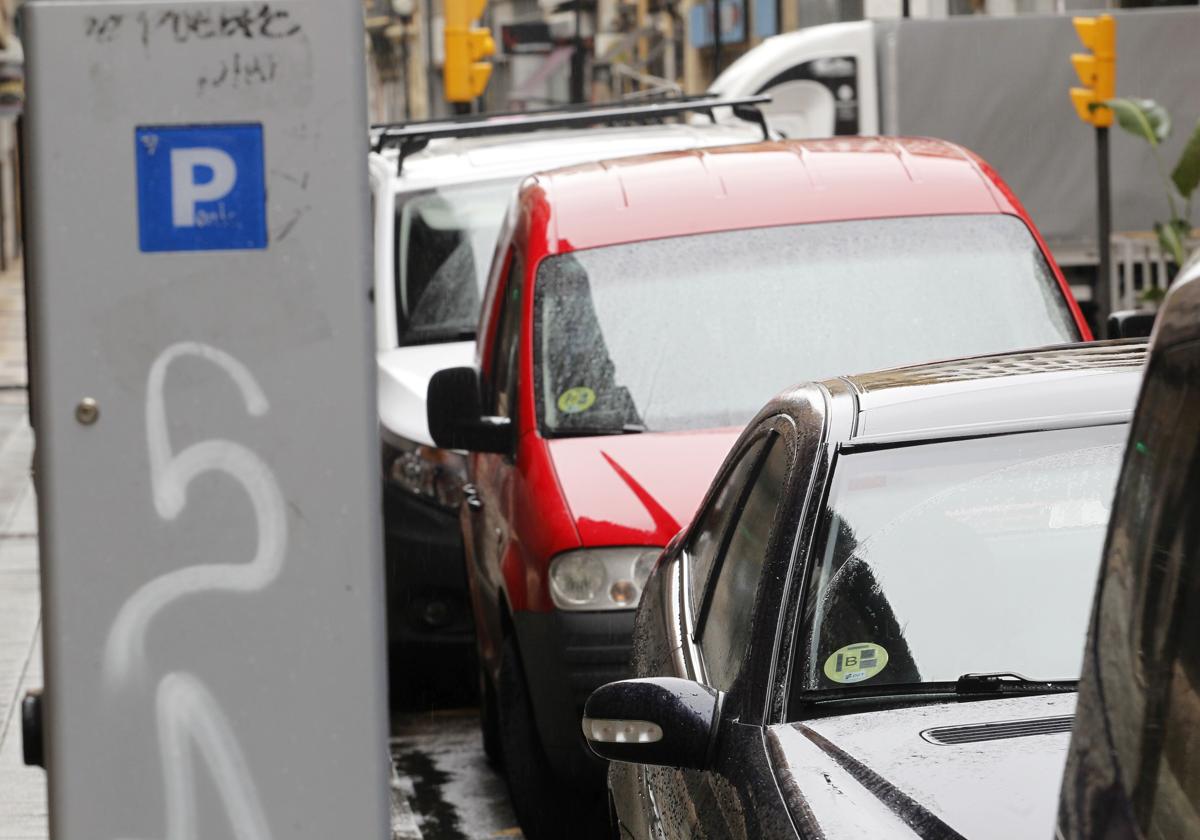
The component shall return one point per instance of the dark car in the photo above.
(874, 625)
(1134, 765)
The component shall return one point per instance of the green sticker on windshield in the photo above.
(576, 400)
(856, 663)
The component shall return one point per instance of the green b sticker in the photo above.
(856, 663)
(576, 400)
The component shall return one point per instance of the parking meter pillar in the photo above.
(204, 409)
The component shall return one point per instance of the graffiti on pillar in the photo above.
(191, 726)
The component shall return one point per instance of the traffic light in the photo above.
(1097, 70)
(464, 74)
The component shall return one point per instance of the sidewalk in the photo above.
(23, 810)
(12, 336)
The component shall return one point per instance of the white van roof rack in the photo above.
(411, 137)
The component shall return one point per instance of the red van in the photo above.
(638, 313)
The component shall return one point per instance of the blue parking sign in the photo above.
(201, 188)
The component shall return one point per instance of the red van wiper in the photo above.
(597, 431)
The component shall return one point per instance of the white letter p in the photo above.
(186, 193)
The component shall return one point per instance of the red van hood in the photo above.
(637, 489)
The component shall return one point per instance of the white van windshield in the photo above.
(444, 244)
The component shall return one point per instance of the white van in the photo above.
(439, 194)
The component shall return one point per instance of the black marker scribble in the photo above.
(184, 25)
(103, 28)
(301, 181)
(239, 70)
(292, 222)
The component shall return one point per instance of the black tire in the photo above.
(531, 786)
(489, 719)
(545, 807)
(537, 797)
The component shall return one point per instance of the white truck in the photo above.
(997, 85)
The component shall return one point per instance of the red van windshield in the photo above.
(699, 331)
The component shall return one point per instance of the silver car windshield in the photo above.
(444, 244)
(699, 331)
(970, 556)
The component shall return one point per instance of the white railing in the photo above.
(1139, 265)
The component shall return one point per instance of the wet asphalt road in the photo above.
(442, 785)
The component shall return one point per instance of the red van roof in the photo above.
(761, 185)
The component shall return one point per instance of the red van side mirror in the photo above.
(454, 410)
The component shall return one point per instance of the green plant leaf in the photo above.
(1182, 227)
(1171, 237)
(1143, 118)
(1187, 172)
(1152, 294)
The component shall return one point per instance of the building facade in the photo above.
(12, 100)
(629, 48)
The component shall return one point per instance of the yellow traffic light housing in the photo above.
(465, 75)
(1097, 71)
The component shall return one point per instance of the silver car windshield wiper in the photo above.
(990, 684)
(1007, 682)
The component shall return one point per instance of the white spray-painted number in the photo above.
(189, 720)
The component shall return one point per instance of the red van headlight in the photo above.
(601, 578)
